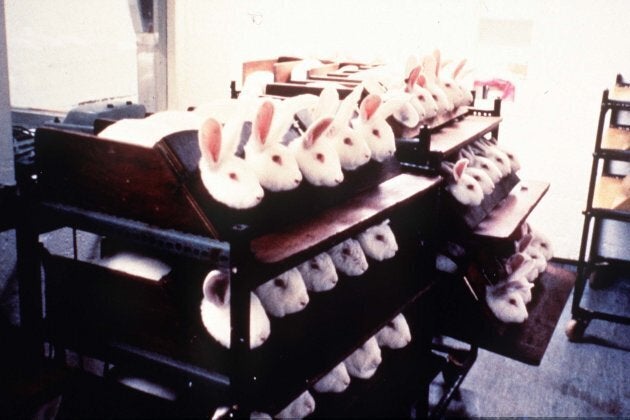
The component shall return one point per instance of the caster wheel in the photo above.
(575, 329)
(601, 277)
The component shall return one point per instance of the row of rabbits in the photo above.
(362, 364)
(508, 298)
(479, 168)
(288, 293)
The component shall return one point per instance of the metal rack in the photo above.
(612, 143)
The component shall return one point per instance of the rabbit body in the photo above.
(283, 295)
(336, 381)
(349, 258)
(365, 360)
(378, 242)
(319, 273)
(215, 311)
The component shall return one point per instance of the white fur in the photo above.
(540, 240)
(319, 273)
(394, 335)
(445, 264)
(464, 188)
(481, 176)
(316, 156)
(255, 83)
(429, 67)
(525, 246)
(136, 264)
(215, 311)
(272, 162)
(228, 178)
(515, 164)
(483, 163)
(300, 71)
(373, 127)
(378, 242)
(506, 304)
(422, 98)
(348, 257)
(365, 360)
(500, 159)
(299, 408)
(336, 381)
(283, 295)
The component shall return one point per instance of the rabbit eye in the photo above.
(233, 176)
(477, 177)
(376, 133)
(422, 98)
(347, 141)
(380, 237)
(277, 159)
(435, 97)
(448, 85)
(470, 187)
(499, 160)
(280, 283)
(320, 157)
(314, 266)
(512, 301)
(346, 251)
(484, 166)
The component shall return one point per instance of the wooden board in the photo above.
(616, 139)
(508, 215)
(469, 320)
(332, 223)
(450, 138)
(609, 196)
(620, 93)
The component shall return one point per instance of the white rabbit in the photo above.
(422, 98)
(352, 149)
(317, 158)
(299, 408)
(515, 164)
(136, 264)
(215, 311)
(255, 83)
(172, 121)
(272, 162)
(373, 127)
(378, 242)
(464, 188)
(456, 76)
(337, 380)
(299, 73)
(228, 179)
(506, 304)
(319, 273)
(520, 265)
(453, 89)
(524, 245)
(394, 335)
(283, 295)
(483, 163)
(429, 70)
(500, 159)
(540, 240)
(349, 258)
(365, 360)
(484, 180)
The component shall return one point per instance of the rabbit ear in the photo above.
(437, 55)
(210, 140)
(458, 169)
(368, 106)
(413, 77)
(328, 103)
(421, 80)
(262, 123)
(348, 106)
(514, 262)
(459, 68)
(524, 242)
(216, 288)
(316, 130)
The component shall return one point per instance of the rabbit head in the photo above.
(483, 163)
(299, 408)
(522, 272)
(365, 360)
(429, 82)
(539, 240)
(319, 273)
(272, 162)
(525, 246)
(500, 159)
(396, 334)
(481, 176)
(373, 127)
(457, 76)
(337, 380)
(215, 311)
(228, 179)
(464, 187)
(283, 295)
(317, 158)
(352, 149)
(422, 98)
(348, 257)
(507, 305)
(378, 242)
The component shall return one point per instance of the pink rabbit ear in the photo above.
(437, 56)
(459, 68)
(413, 76)
(458, 169)
(514, 262)
(210, 139)
(369, 105)
(421, 80)
(524, 242)
(216, 288)
(263, 121)
(316, 130)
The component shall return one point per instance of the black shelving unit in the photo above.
(612, 145)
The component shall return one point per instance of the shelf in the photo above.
(470, 321)
(607, 190)
(330, 225)
(616, 139)
(510, 213)
(620, 94)
(451, 138)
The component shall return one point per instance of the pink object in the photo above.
(505, 86)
